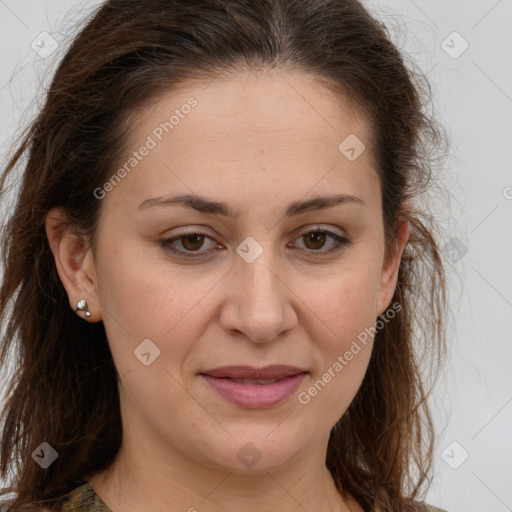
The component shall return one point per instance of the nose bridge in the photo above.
(261, 278)
(260, 301)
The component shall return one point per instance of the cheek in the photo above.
(345, 316)
(345, 305)
(143, 299)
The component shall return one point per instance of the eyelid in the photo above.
(308, 228)
(302, 230)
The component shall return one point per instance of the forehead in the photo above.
(265, 131)
(268, 101)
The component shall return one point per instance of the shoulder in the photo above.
(80, 499)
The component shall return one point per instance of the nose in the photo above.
(259, 304)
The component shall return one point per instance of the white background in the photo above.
(473, 99)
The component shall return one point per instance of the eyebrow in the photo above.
(209, 206)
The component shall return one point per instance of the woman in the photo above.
(218, 268)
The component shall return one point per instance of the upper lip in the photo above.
(275, 371)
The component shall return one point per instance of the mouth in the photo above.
(255, 388)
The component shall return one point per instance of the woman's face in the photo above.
(251, 290)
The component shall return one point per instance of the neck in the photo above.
(172, 482)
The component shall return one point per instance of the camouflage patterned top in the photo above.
(84, 499)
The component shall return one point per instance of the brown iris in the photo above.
(317, 237)
(192, 242)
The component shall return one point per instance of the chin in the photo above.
(256, 449)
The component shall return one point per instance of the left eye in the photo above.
(192, 242)
(318, 237)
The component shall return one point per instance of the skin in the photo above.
(257, 141)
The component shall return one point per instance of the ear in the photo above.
(389, 277)
(74, 261)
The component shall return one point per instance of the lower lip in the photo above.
(255, 396)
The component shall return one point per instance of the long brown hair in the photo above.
(64, 390)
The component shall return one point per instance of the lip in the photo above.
(255, 395)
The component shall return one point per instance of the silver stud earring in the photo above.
(82, 306)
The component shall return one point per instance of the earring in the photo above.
(82, 306)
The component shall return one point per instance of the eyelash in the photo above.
(341, 242)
